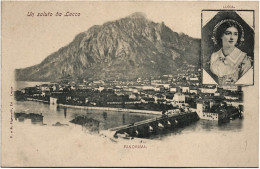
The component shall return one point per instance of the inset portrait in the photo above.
(227, 47)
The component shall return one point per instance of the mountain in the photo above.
(130, 47)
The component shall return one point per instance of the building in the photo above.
(132, 96)
(80, 87)
(185, 89)
(43, 94)
(53, 100)
(160, 97)
(148, 88)
(157, 89)
(156, 82)
(194, 91)
(100, 88)
(45, 87)
(73, 87)
(208, 90)
(231, 97)
(230, 88)
(53, 88)
(179, 98)
(206, 115)
(86, 100)
(173, 89)
(221, 113)
(133, 90)
(194, 79)
(23, 91)
(98, 82)
(234, 103)
(117, 89)
(166, 86)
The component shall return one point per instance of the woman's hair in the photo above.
(221, 27)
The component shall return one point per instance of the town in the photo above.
(182, 90)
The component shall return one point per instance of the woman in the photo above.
(229, 63)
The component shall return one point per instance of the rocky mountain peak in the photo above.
(127, 48)
(137, 15)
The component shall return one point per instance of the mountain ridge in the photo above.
(130, 47)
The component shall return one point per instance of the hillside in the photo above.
(130, 47)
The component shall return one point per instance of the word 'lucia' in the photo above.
(228, 6)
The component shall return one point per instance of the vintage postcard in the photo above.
(129, 84)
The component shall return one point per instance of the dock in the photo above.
(152, 126)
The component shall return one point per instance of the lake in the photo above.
(109, 119)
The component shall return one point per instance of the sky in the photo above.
(29, 40)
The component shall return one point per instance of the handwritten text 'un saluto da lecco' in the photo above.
(32, 14)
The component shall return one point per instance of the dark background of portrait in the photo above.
(207, 45)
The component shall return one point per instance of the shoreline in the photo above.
(102, 108)
(114, 109)
(32, 99)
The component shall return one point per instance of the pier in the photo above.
(148, 127)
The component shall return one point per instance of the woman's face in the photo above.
(230, 37)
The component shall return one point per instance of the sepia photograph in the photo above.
(228, 47)
(129, 84)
